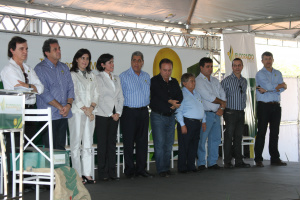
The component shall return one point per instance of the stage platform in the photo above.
(267, 183)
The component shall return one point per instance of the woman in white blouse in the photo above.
(110, 106)
(82, 124)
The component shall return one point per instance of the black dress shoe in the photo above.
(228, 166)
(242, 165)
(259, 164)
(115, 178)
(194, 171)
(201, 167)
(169, 172)
(215, 166)
(278, 163)
(145, 175)
(129, 176)
(163, 174)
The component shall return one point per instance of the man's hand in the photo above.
(174, 103)
(261, 90)
(115, 116)
(26, 85)
(203, 127)
(173, 107)
(183, 130)
(22, 84)
(282, 85)
(65, 110)
(219, 112)
(223, 104)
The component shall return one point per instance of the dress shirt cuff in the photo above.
(118, 113)
(110, 114)
(182, 123)
(79, 104)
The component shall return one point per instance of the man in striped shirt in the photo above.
(135, 119)
(235, 86)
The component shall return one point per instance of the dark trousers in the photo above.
(235, 122)
(134, 126)
(59, 129)
(267, 113)
(188, 144)
(106, 131)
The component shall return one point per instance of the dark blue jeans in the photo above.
(163, 129)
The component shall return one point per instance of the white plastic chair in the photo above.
(248, 140)
(37, 178)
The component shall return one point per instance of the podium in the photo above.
(12, 107)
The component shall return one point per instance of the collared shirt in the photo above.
(58, 85)
(161, 92)
(209, 91)
(12, 72)
(235, 90)
(268, 81)
(110, 80)
(191, 107)
(136, 89)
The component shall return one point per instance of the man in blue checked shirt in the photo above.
(235, 86)
(135, 119)
(190, 116)
(269, 84)
(58, 92)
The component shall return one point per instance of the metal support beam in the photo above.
(91, 31)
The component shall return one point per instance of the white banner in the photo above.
(121, 52)
(241, 46)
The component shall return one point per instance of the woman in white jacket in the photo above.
(110, 106)
(82, 124)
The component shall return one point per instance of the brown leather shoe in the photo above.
(259, 164)
(278, 163)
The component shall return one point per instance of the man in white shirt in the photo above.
(17, 73)
(214, 102)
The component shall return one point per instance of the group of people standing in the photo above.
(86, 102)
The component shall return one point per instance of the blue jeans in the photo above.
(213, 134)
(163, 129)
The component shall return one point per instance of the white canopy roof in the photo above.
(264, 17)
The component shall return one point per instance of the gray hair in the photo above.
(137, 53)
(185, 78)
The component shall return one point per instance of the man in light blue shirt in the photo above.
(58, 92)
(190, 116)
(269, 84)
(135, 118)
(214, 102)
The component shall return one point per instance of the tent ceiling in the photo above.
(272, 17)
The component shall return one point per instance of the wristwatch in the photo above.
(222, 108)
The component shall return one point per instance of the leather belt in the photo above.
(194, 120)
(164, 114)
(271, 102)
(140, 108)
(228, 109)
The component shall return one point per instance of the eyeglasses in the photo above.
(241, 89)
(26, 78)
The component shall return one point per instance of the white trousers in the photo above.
(81, 139)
